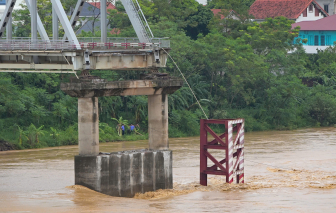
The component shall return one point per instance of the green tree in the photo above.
(198, 22)
(54, 134)
(21, 133)
(32, 134)
(21, 17)
(120, 122)
(240, 6)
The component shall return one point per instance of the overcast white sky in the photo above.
(202, 1)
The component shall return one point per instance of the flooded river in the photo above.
(287, 171)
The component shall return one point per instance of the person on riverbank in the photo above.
(123, 129)
(132, 127)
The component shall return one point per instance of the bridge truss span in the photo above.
(70, 54)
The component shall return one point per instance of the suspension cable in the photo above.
(186, 82)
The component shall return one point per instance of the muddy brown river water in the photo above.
(285, 171)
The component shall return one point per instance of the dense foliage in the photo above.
(237, 68)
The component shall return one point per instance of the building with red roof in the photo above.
(220, 12)
(297, 10)
(319, 34)
(109, 5)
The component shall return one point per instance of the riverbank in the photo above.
(6, 146)
(34, 137)
(12, 140)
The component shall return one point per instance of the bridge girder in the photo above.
(75, 60)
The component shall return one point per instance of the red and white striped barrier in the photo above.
(233, 163)
(61, 45)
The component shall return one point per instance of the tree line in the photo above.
(237, 69)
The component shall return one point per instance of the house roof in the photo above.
(89, 11)
(327, 23)
(109, 5)
(217, 11)
(290, 9)
(89, 24)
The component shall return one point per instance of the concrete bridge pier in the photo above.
(158, 122)
(123, 173)
(88, 126)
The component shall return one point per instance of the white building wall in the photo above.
(310, 16)
(313, 49)
(330, 3)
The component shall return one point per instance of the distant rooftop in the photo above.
(290, 9)
(109, 5)
(217, 11)
(327, 24)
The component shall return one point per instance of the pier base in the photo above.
(126, 173)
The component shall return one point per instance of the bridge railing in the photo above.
(25, 43)
(160, 42)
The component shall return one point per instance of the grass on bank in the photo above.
(186, 126)
(39, 137)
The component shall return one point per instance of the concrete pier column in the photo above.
(88, 126)
(158, 122)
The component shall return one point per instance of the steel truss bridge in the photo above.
(71, 53)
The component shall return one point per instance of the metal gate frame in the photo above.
(234, 150)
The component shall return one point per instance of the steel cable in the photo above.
(187, 83)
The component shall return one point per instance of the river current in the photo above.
(285, 171)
